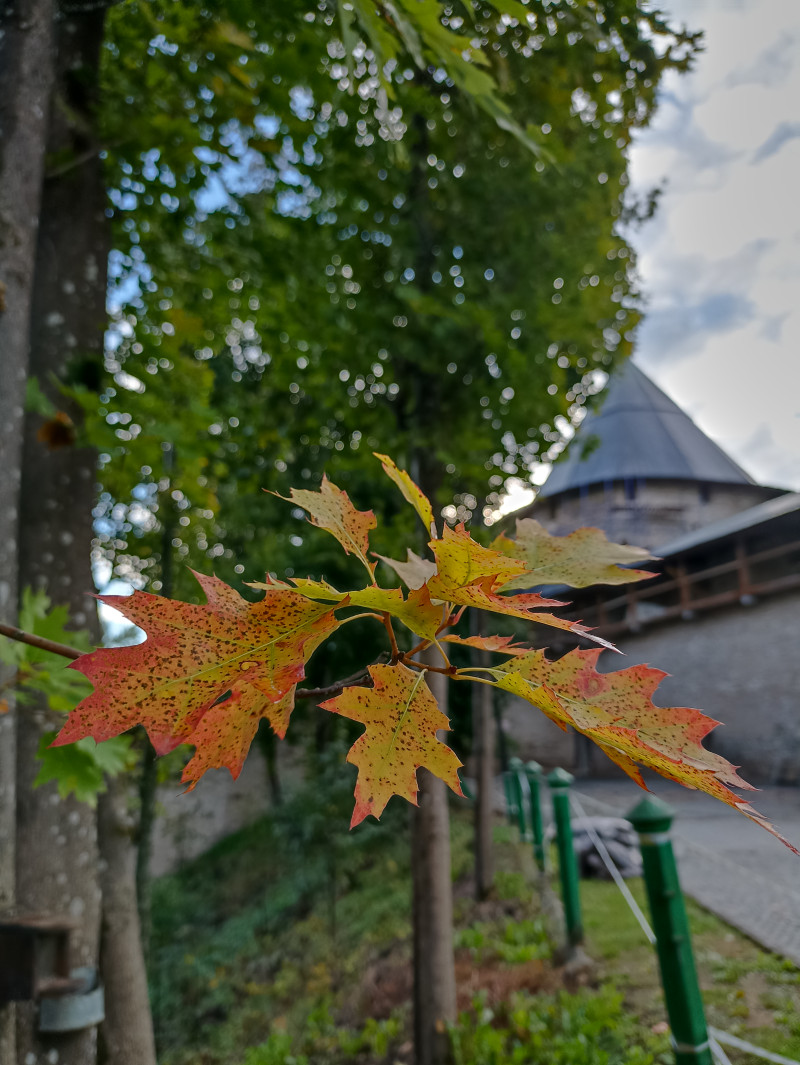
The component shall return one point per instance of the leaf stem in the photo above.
(387, 622)
(449, 671)
(366, 614)
(458, 675)
(441, 651)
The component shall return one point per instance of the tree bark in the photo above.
(268, 744)
(57, 858)
(434, 960)
(483, 729)
(121, 1042)
(148, 786)
(27, 70)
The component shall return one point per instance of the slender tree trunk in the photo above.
(434, 962)
(268, 744)
(148, 786)
(27, 71)
(121, 1043)
(57, 858)
(483, 729)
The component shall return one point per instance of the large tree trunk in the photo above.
(434, 962)
(27, 70)
(483, 729)
(57, 858)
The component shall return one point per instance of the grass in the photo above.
(747, 991)
(290, 942)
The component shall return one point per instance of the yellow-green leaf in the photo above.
(331, 509)
(416, 612)
(582, 558)
(401, 718)
(412, 493)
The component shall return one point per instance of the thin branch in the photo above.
(339, 685)
(86, 156)
(449, 671)
(419, 647)
(21, 636)
(332, 689)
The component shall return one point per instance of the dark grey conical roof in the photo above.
(640, 433)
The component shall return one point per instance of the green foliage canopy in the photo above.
(323, 244)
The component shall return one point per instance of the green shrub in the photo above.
(587, 1028)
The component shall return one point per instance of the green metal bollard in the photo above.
(559, 781)
(652, 819)
(517, 769)
(533, 771)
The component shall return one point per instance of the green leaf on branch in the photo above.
(80, 768)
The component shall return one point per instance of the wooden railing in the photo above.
(690, 600)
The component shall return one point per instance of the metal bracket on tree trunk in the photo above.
(82, 1009)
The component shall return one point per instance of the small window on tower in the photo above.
(705, 493)
(630, 488)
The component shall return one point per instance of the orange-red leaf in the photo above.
(331, 509)
(412, 493)
(500, 644)
(402, 719)
(205, 674)
(582, 558)
(616, 711)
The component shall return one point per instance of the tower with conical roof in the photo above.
(641, 470)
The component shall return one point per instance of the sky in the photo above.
(720, 262)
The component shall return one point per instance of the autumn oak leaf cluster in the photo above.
(207, 674)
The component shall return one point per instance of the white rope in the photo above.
(717, 1053)
(616, 876)
(741, 1044)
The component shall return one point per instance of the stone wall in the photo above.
(740, 666)
(661, 510)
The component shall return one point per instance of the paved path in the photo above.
(727, 863)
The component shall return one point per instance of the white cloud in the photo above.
(721, 261)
